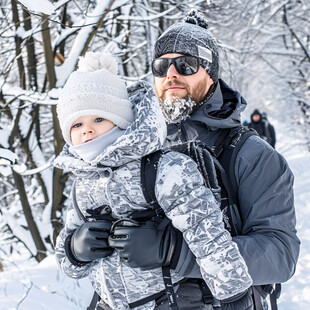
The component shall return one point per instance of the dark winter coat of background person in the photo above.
(260, 123)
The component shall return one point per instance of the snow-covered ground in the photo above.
(296, 292)
(40, 287)
(28, 286)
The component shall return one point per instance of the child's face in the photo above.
(87, 128)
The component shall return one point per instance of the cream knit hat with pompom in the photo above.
(94, 89)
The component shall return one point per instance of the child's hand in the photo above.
(89, 242)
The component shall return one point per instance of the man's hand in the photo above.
(89, 242)
(147, 244)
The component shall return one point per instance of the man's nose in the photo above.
(172, 73)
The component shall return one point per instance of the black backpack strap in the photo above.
(145, 300)
(257, 298)
(172, 299)
(236, 145)
(217, 148)
(274, 292)
(75, 204)
(200, 153)
(207, 296)
(149, 164)
(234, 140)
(94, 301)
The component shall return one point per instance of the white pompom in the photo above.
(93, 61)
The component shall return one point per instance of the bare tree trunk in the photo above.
(18, 42)
(41, 249)
(19, 183)
(25, 145)
(63, 23)
(31, 56)
(58, 185)
(48, 53)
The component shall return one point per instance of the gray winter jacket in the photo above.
(267, 236)
(180, 192)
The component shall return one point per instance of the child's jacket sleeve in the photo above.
(71, 270)
(194, 211)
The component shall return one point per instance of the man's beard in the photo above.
(176, 110)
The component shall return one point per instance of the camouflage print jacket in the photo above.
(180, 192)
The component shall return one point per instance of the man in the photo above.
(199, 106)
(260, 123)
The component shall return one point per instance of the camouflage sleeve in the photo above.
(194, 211)
(72, 271)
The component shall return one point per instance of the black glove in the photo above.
(241, 302)
(89, 242)
(148, 244)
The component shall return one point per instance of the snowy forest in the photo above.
(264, 54)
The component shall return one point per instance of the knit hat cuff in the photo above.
(68, 122)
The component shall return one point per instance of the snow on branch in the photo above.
(38, 6)
(7, 156)
(80, 41)
(22, 170)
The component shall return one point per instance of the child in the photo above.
(106, 135)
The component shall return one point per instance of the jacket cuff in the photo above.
(237, 297)
(73, 260)
(187, 266)
(177, 249)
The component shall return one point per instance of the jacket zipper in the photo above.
(182, 132)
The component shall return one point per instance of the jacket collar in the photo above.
(222, 110)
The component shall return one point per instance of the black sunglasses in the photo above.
(185, 65)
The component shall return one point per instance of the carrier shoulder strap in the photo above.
(75, 204)
(227, 154)
(94, 301)
(149, 164)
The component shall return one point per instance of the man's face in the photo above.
(175, 85)
(89, 127)
(256, 117)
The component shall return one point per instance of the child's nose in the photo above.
(87, 129)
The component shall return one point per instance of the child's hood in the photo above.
(145, 135)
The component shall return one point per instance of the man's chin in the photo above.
(177, 109)
(175, 96)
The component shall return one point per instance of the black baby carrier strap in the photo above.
(94, 301)
(149, 166)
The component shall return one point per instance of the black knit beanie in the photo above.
(191, 37)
